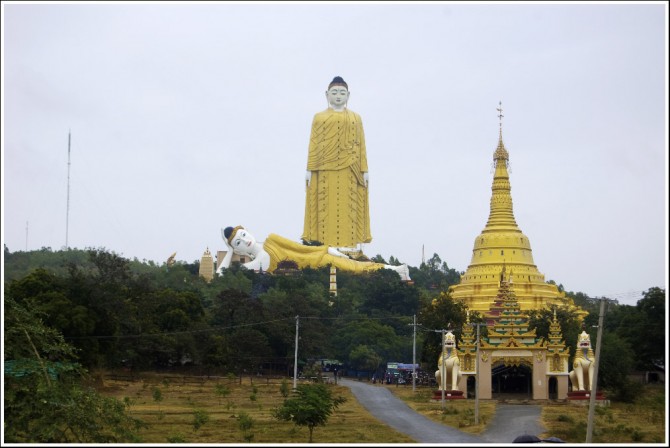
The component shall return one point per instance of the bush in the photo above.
(625, 391)
(284, 389)
(246, 423)
(176, 438)
(565, 418)
(637, 435)
(450, 411)
(200, 417)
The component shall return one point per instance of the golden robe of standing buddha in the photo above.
(336, 209)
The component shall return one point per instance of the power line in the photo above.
(207, 330)
(357, 318)
(621, 296)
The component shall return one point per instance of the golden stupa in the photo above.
(500, 246)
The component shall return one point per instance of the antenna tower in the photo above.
(67, 212)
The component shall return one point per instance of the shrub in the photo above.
(565, 418)
(200, 417)
(176, 438)
(284, 389)
(450, 411)
(637, 435)
(246, 423)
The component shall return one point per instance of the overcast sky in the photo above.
(186, 118)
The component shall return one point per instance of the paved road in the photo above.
(509, 422)
(513, 420)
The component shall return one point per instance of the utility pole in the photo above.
(26, 236)
(443, 376)
(295, 360)
(594, 387)
(477, 371)
(414, 356)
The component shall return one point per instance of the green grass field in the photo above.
(642, 422)
(183, 409)
(218, 410)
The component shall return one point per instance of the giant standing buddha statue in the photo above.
(502, 244)
(336, 207)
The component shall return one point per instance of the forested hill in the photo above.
(20, 264)
(434, 274)
(117, 311)
(122, 313)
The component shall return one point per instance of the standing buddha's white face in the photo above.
(337, 97)
(243, 242)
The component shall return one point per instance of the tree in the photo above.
(616, 362)
(434, 274)
(157, 395)
(233, 307)
(438, 314)
(294, 297)
(434, 263)
(221, 390)
(245, 423)
(45, 400)
(567, 317)
(249, 349)
(384, 294)
(200, 417)
(48, 293)
(312, 405)
(378, 337)
(651, 343)
(363, 357)
(378, 259)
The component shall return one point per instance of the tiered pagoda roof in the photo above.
(510, 324)
(557, 354)
(467, 347)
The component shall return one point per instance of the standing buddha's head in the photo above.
(337, 93)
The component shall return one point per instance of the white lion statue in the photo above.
(584, 364)
(452, 366)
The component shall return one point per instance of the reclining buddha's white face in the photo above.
(243, 242)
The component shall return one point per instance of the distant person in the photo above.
(337, 212)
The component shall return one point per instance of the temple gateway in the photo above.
(513, 359)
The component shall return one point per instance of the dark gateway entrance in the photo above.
(511, 382)
(553, 388)
(471, 384)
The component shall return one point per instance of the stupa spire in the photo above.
(502, 245)
(501, 213)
